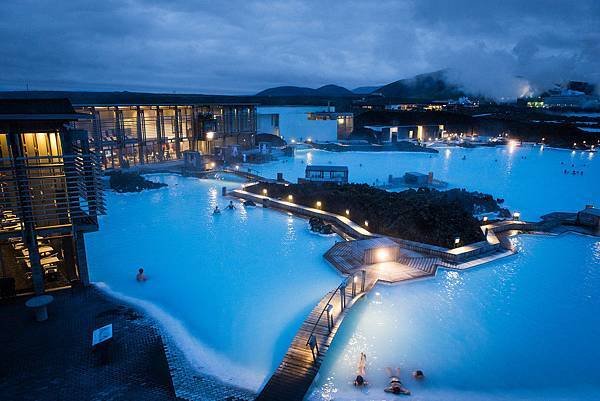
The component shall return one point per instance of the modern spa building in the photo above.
(50, 195)
(130, 129)
(305, 123)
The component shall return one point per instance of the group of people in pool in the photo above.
(395, 387)
(231, 206)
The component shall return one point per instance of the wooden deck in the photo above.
(294, 376)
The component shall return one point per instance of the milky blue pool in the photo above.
(231, 289)
(521, 328)
(530, 179)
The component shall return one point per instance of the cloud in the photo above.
(246, 46)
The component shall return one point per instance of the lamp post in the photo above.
(265, 192)
(347, 212)
(329, 310)
(319, 204)
(290, 198)
(456, 241)
(516, 215)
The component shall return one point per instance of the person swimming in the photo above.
(140, 276)
(418, 374)
(231, 206)
(395, 386)
(217, 210)
(361, 371)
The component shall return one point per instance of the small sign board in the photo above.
(102, 334)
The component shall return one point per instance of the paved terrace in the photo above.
(52, 360)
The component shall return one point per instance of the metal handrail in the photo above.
(344, 284)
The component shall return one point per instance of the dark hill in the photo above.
(365, 90)
(425, 86)
(333, 90)
(327, 90)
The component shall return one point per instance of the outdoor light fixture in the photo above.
(516, 215)
(210, 135)
(456, 240)
(347, 212)
(485, 218)
(293, 141)
(237, 167)
(212, 165)
(290, 198)
(265, 191)
(319, 204)
(366, 223)
(308, 140)
(383, 255)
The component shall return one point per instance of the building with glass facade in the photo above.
(50, 195)
(125, 134)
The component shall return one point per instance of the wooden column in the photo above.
(159, 132)
(25, 205)
(177, 133)
(140, 136)
(81, 258)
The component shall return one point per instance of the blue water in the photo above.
(521, 328)
(530, 179)
(232, 289)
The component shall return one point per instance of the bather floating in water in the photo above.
(140, 276)
(361, 371)
(231, 206)
(217, 210)
(396, 386)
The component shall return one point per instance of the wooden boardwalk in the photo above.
(294, 376)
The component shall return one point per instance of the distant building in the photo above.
(305, 123)
(423, 132)
(413, 178)
(50, 195)
(335, 174)
(590, 216)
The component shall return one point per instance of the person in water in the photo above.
(395, 386)
(231, 206)
(361, 371)
(418, 374)
(140, 276)
(217, 210)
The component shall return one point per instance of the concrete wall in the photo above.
(294, 124)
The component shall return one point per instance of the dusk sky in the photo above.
(242, 47)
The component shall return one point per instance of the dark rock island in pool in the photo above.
(423, 215)
(131, 182)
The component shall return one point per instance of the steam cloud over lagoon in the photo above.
(501, 49)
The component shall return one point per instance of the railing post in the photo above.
(343, 296)
(354, 278)
(364, 279)
(312, 343)
(329, 309)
